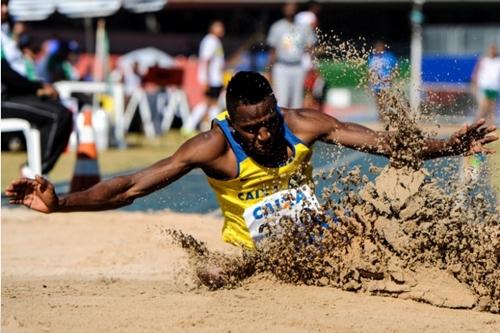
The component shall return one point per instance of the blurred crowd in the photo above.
(50, 60)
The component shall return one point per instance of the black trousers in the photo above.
(50, 117)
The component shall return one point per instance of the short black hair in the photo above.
(246, 88)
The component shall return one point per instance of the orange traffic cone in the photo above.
(86, 168)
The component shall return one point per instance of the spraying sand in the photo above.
(401, 236)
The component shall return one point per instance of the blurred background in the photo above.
(135, 63)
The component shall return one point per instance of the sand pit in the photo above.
(117, 272)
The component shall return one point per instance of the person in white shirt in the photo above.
(289, 42)
(9, 49)
(210, 76)
(486, 83)
(314, 83)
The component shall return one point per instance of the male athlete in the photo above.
(254, 151)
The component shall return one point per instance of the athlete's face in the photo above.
(257, 127)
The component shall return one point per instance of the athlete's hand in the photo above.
(37, 194)
(472, 139)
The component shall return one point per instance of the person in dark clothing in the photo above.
(38, 103)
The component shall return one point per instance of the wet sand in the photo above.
(118, 272)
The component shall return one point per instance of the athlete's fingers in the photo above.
(482, 132)
(16, 195)
(21, 182)
(14, 190)
(16, 187)
(44, 184)
(477, 124)
(462, 130)
(10, 192)
(19, 187)
(490, 150)
(487, 129)
(487, 139)
(490, 129)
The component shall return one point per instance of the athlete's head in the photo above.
(246, 88)
(253, 112)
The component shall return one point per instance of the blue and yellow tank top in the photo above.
(254, 182)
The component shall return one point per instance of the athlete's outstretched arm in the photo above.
(469, 139)
(38, 194)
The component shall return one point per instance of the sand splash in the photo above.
(401, 235)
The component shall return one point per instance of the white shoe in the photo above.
(27, 172)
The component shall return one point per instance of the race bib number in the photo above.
(286, 203)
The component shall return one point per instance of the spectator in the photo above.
(47, 48)
(314, 83)
(59, 64)
(382, 66)
(9, 50)
(289, 42)
(486, 83)
(29, 50)
(131, 78)
(37, 103)
(210, 76)
(18, 29)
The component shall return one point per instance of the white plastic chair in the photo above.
(177, 104)
(32, 136)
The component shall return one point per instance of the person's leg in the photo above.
(53, 120)
(487, 105)
(195, 117)
(212, 110)
(288, 77)
(297, 79)
(280, 84)
(310, 79)
(214, 104)
(492, 98)
(490, 112)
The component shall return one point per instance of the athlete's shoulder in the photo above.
(206, 146)
(213, 154)
(299, 117)
(308, 124)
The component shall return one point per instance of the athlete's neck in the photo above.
(280, 156)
